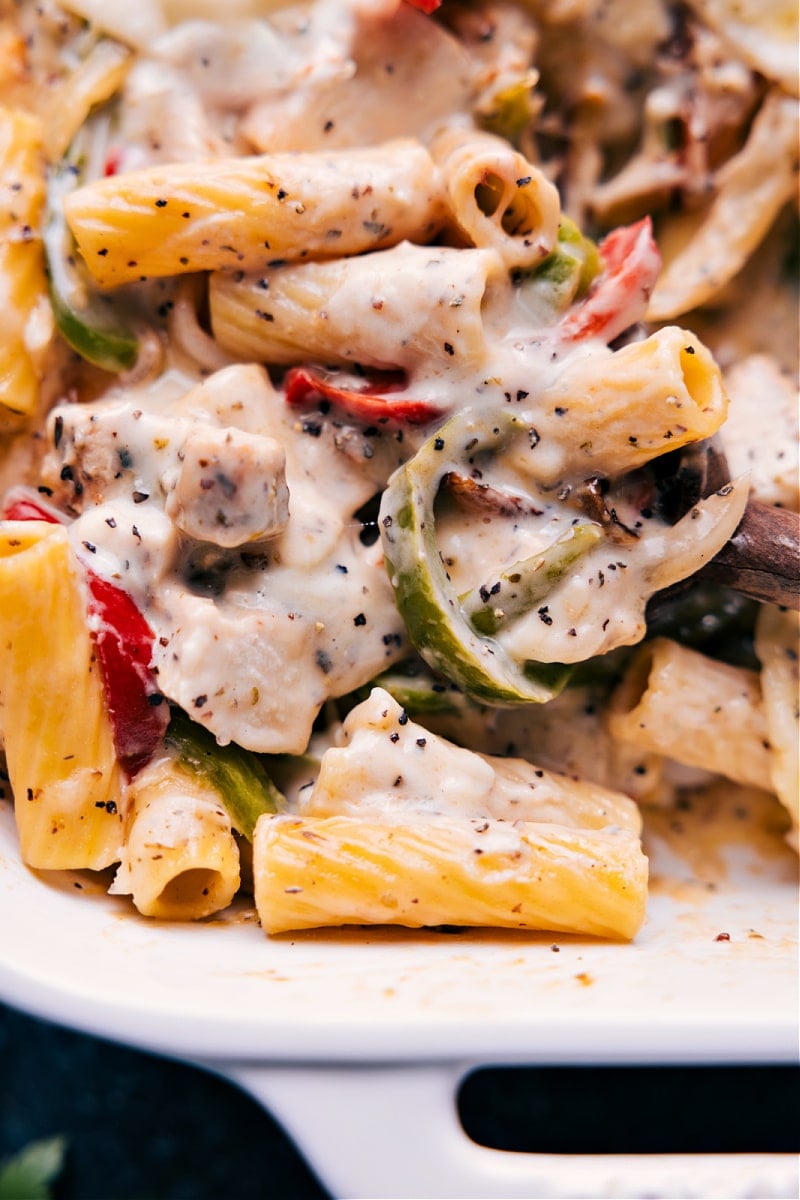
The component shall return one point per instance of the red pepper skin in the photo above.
(426, 6)
(113, 161)
(21, 504)
(618, 298)
(305, 387)
(139, 713)
(124, 640)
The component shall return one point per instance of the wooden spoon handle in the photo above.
(762, 559)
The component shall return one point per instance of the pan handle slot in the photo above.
(385, 1131)
(669, 1108)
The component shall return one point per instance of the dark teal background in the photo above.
(145, 1128)
(139, 1127)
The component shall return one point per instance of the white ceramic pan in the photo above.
(357, 1041)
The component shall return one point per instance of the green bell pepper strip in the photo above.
(564, 276)
(420, 693)
(237, 775)
(528, 582)
(84, 317)
(511, 109)
(440, 629)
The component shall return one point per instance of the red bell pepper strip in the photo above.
(23, 504)
(426, 6)
(618, 298)
(305, 387)
(139, 713)
(113, 161)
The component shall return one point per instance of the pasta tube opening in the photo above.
(497, 197)
(700, 383)
(181, 860)
(623, 408)
(517, 217)
(195, 887)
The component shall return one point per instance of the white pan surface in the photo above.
(712, 977)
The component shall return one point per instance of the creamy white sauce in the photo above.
(389, 765)
(252, 639)
(268, 604)
(308, 612)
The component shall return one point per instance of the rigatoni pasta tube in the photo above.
(613, 411)
(58, 737)
(403, 306)
(498, 199)
(695, 710)
(389, 765)
(456, 871)
(348, 783)
(245, 213)
(181, 860)
(23, 287)
(776, 645)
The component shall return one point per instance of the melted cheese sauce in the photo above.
(253, 636)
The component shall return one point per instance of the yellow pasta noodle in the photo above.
(27, 322)
(694, 709)
(12, 59)
(464, 499)
(348, 870)
(390, 764)
(626, 407)
(181, 860)
(58, 737)
(245, 213)
(499, 199)
(777, 643)
(518, 791)
(399, 307)
(97, 78)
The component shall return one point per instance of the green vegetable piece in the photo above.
(236, 774)
(564, 276)
(603, 670)
(85, 317)
(421, 694)
(437, 625)
(511, 109)
(291, 773)
(570, 239)
(28, 1175)
(415, 689)
(528, 582)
